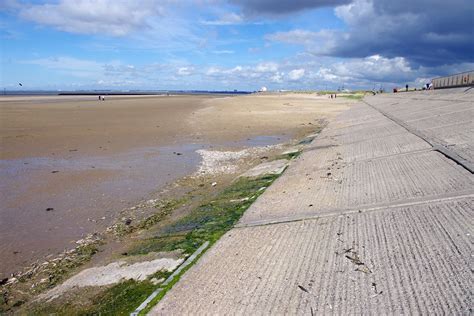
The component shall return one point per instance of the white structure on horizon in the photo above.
(263, 89)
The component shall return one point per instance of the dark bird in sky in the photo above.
(20, 84)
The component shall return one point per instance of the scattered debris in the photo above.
(353, 256)
(303, 289)
(213, 184)
(355, 259)
(55, 171)
(49, 209)
(216, 162)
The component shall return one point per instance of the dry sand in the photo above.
(87, 159)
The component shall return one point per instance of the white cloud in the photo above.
(112, 17)
(365, 72)
(69, 65)
(321, 41)
(225, 19)
(266, 67)
(185, 71)
(277, 77)
(223, 52)
(296, 74)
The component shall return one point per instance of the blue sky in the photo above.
(234, 44)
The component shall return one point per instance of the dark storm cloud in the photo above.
(424, 32)
(264, 7)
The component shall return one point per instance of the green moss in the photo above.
(209, 221)
(164, 209)
(121, 299)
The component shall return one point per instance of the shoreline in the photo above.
(101, 248)
(216, 115)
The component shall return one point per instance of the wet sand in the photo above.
(70, 164)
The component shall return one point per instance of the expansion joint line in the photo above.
(468, 194)
(436, 146)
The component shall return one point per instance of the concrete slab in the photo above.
(413, 260)
(448, 121)
(306, 190)
(365, 132)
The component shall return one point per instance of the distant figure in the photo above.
(103, 98)
(430, 86)
(335, 95)
(394, 90)
(427, 86)
(100, 98)
(406, 87)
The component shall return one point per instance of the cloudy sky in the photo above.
(233, 44)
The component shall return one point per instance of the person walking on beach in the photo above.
(406, 87)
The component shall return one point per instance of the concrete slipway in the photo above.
(375, 217)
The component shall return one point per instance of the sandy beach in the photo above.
(70, 164)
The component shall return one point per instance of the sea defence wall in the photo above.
(374, 217)
(463, 79)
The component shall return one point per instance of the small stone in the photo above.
(49, 209)
(214, 184)
(12, 281)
